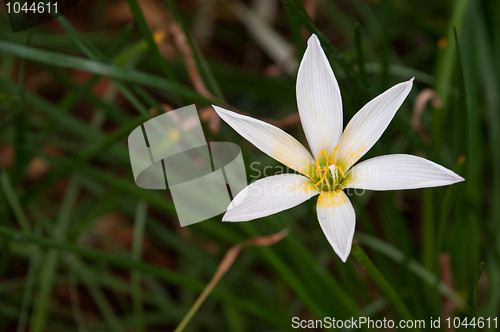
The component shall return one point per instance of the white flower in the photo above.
(320, 109)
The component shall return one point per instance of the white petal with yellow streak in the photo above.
(270, 195)
(337, 220)
(270, 139)
(399, 171)
(318, 99)
(369, 123)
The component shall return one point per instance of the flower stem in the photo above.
(381, 282)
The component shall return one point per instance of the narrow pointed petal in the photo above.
(337, 220)
(366, 126)
(271, 140)
(399, 171)
(269, 196)
(318, 99)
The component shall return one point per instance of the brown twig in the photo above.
(311, 7)
(182, 45)
(447, 278)
(184, 48)
(423, 98)
(224, 266)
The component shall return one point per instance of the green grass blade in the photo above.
(48, 272)
(445, 68)
(140, 220)
(103, 69)
(34, 263)
(430, 278)
(148, 36)
(381, 282)
(328, 47)
(14, 202)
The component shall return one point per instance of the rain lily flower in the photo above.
(333, 167)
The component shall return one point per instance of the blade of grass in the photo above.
(359, 53)
(75, 301)
(490, 85)
(381, 282)
(296, 35)
(41, 306)
(100, 68)
(469, 221)
(47, 273)
(384, 41)
(78, 93)
(313, 274)
(444, 70)
(102, 278)
(446, 207)
(148, 36)
(98, 256)
(303, 19)
(140, 221)
(94, 54)
(401, 71)
(13, 201)
(475, 293)
(181, 280)
(102, 303)
(419, 270)
(21, 158)
(224, 266)
(34, 263)
(301, 261)
(289, 276)
(235, 321)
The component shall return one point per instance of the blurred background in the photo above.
(82, 248)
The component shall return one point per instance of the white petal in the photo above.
(366, 126)
(318, 99)
(399, 171)
(269, 196)
(337, 219)
(270, 139)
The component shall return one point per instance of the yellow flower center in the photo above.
(325, 180)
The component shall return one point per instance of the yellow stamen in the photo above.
(325, 170)
(323, 152)
(321, 169)
(333, 154)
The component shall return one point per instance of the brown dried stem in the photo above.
(224, 266)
